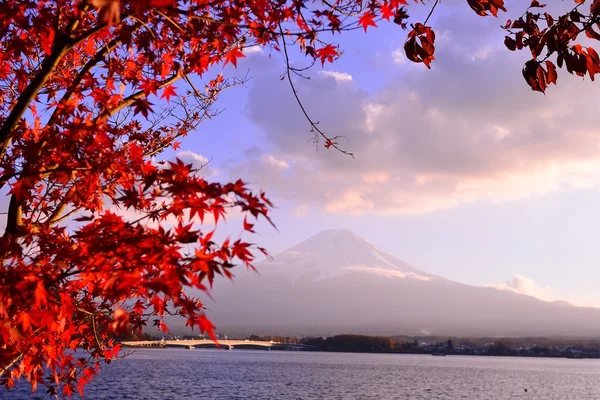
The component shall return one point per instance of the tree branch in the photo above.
(48, 65)
(56, 215)
(15, 360)
(129, 100)
(15, 216)
(62, 45)
(86, 68)
(313, 125)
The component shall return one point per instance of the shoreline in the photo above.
(282, 349)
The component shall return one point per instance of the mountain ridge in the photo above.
(317, 254)
(336, 282)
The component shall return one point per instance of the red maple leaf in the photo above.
(367, 20)
(327, 53)
(232, 56)
(168, 92)
(41, 295)
(386, 12)
(142, 106)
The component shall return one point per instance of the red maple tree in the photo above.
(80, 130)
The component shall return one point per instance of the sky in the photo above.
(460, 170)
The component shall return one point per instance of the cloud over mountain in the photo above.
(523, 285)
(467, 130)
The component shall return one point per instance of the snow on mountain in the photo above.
(337, 252)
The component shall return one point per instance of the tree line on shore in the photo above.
(529, 346)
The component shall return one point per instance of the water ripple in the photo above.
(165, 374)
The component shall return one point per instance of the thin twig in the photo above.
(313, 125)
(200, 95)
(431, 11)
(170, 20)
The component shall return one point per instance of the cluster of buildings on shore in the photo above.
(500, 348)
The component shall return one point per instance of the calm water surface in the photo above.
(161, 374)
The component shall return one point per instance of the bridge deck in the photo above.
(196, 342)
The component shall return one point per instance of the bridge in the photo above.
(193, 343)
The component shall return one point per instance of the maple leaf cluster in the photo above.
(419, 46)
(81, 130)
(554, 41)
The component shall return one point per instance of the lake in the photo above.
(161, 374)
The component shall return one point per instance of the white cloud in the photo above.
(523, 285)
(483, 53)
(388, 273)
(399, 56)
(372, 112)
(280, 164)
(338, 76)
(252, 50)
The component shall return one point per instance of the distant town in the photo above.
(435, 345)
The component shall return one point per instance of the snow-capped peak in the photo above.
(336, 252)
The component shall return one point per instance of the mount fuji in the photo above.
(334, 253)
(336, 282)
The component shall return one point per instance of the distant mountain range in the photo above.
(336, 282)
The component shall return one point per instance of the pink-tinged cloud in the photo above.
(468, 130)
(523, 285)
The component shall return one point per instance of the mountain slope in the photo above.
(334, 253)
(336, 282)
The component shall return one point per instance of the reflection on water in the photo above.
(163, 374)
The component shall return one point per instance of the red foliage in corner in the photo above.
(553, 41)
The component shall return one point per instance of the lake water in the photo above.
(164, 374)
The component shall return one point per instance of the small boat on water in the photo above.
(439, 354)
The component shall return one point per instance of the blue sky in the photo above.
(460, 170)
